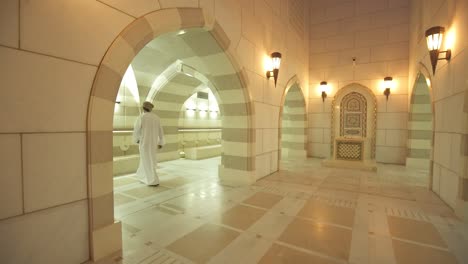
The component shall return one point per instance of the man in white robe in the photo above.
(149, 134)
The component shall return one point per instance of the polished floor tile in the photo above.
(408, 253)
(264, 200)
(121, 181)
(418, 231)
(241, 216)
(145, 191)
(120, 199)
(279, 254)
(203, 243)
(322, 212)
(282, 176)
(321, 238)
(174, 182)
(304, 213)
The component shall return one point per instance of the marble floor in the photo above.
(302, 214)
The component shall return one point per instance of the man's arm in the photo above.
(137, 131)
(161, 136)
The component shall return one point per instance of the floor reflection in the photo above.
(302, 214)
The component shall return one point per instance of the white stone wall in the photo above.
(449, 95)
(376, 33)
(47, 73)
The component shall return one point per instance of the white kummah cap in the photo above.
(148, 106)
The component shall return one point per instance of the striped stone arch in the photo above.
(238, 134)
(293, 122)
(169, 97)
(421, 125)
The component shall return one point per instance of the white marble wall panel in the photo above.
(270, 140)
(370, 6)
(442, 149)
(381, 135)
(37, 35)
(448, 186)
(393, 155)
(319, 150)
(436, 178)
(316, 135)
(322, 120)
(263, 165)
(58, 177)
(178, 3)
(33, 83)
(9, 23)
(55, 235)
(235, 149)
(134, 8)
(457, 159)
(392, 120)
(396, 138)
(274, 161)
(397, 103)
(11, 179)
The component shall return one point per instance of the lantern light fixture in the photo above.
(275, 65)
(434, 38)
(323, 87)
(388, 84)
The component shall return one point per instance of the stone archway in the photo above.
(237, 162)
(169, 100)
(293, 122)
(420, 127)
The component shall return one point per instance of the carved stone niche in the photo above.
(353, 133)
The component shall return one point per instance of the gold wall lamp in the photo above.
(324, 88)
(434, 38)
(388, 84)
(275, 65)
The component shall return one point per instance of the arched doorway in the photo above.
(220, 67)
(420, 127)
(293, 123)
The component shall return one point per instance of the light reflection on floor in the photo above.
(302, 214)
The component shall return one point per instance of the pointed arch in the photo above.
(238, 163)
(293, 122)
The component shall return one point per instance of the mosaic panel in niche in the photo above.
(353, 120)
(353, 115)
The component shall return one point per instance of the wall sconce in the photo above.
(323, 87)
(275, 65)
(434, 37)
(388, 84)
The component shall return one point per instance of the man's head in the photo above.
(147, 106)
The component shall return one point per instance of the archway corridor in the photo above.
(304, 213)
